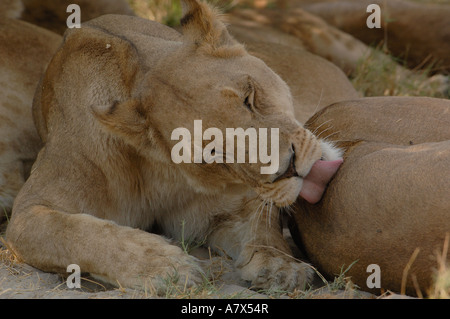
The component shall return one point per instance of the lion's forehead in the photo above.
(206, 74)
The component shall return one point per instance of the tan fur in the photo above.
(106, 108)
(416, 32)
(314, 34)
(11, 9)
(25, 51)
(52, 14)
(389, 197)
(286, 55)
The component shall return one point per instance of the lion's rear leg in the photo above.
(51, 240)
(254, 239)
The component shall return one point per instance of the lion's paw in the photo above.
(160, 268)
(181, 272)
(283, 273)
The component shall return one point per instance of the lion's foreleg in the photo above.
(52, 240)
(254, 239)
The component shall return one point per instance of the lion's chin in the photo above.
(282, 193)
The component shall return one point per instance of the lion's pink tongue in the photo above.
(316, 181)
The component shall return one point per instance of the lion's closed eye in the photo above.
(249, 100)
(248, 103)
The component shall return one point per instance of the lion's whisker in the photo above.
(257, 215)
(290, 209)
(320, 100)
(270, 213)
(328, 128)
(329, 135)
(317, 128)
(268, 216)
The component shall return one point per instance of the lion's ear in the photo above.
(124, 118)
(92, 69)
(202, 25)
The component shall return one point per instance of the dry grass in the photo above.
(377, 75)
(441, 286)
(7, 257)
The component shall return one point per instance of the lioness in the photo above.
(107, 107)
(389, 198)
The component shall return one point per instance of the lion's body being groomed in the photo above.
(106, 108)
(388, 206)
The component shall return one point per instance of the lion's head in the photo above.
(132, 84)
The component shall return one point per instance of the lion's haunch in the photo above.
(315, 182)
